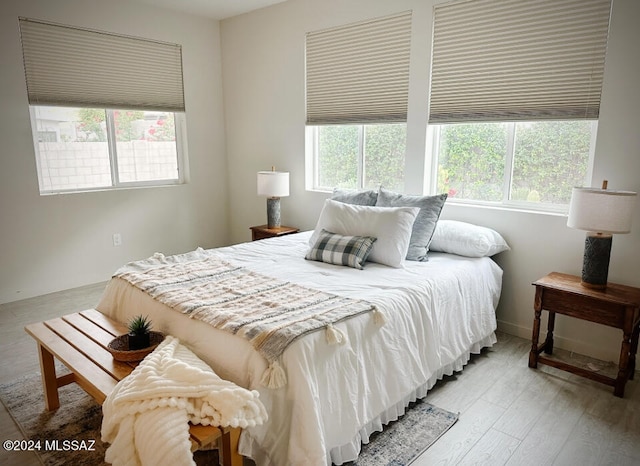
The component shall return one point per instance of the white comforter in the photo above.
(438, 312)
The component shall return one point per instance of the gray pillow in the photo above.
(351, 196)
(425, 224)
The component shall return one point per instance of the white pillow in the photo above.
(391, 225)
(466, 239)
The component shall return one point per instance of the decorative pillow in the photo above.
(341, 250)
(466, 239)
(425, 224)
(391, 225)
(350, 196)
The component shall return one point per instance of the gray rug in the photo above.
(80, 417)
(404, 440)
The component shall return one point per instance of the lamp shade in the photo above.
(601, 210)
(273, 184)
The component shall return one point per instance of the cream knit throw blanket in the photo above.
(268, 312)
(146, 417)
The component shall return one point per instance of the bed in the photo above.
(437, 313)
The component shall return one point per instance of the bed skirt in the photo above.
(350, 450)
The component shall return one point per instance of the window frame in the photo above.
(116, 184)
(312, 153)
(433, 141)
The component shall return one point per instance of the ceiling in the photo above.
(216, 9)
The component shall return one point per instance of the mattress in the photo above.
(437, 313)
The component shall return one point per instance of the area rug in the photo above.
(78, 423)
(402, 441)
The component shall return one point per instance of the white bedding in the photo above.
(438, 312)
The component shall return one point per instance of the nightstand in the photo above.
(616, 306)
(262, 232)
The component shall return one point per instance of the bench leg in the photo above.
(230, 455)
(49, 380)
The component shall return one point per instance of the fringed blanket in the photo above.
(268, 312)
(146, 416)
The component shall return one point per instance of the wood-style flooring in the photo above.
(509, 414)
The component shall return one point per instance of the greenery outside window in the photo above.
(527, 164)
(357, 156)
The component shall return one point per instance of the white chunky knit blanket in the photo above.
(268, 312)
(146, 417)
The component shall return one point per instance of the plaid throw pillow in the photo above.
(341, 250)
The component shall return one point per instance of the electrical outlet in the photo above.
(117, 239)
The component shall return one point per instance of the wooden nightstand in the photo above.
(617, 306)
(262, 232)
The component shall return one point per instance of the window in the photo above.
(358, 156)
(357, 79)
(92, 148)
(107, 110)
(513, 163)
(515, 98)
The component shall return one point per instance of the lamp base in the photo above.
(273, 212)
(592, 286)
(595, 265)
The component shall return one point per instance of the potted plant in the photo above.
(139, 332)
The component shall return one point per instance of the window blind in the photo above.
(518, 60)
(70, 66)
(359, 73)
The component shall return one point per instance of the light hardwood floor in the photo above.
(509, 414)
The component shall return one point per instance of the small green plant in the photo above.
(139, 325)
(139, 332)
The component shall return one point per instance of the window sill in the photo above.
(557, 211)
(122, 187)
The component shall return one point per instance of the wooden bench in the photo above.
(80, 342)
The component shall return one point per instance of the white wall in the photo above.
(263, 80)
(49, 243)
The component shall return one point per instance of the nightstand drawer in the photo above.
(584, 307)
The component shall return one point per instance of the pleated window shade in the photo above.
(499, 60)
(70, 66)
(359, 73)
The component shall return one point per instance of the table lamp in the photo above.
(602, 213)
(273, 185)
